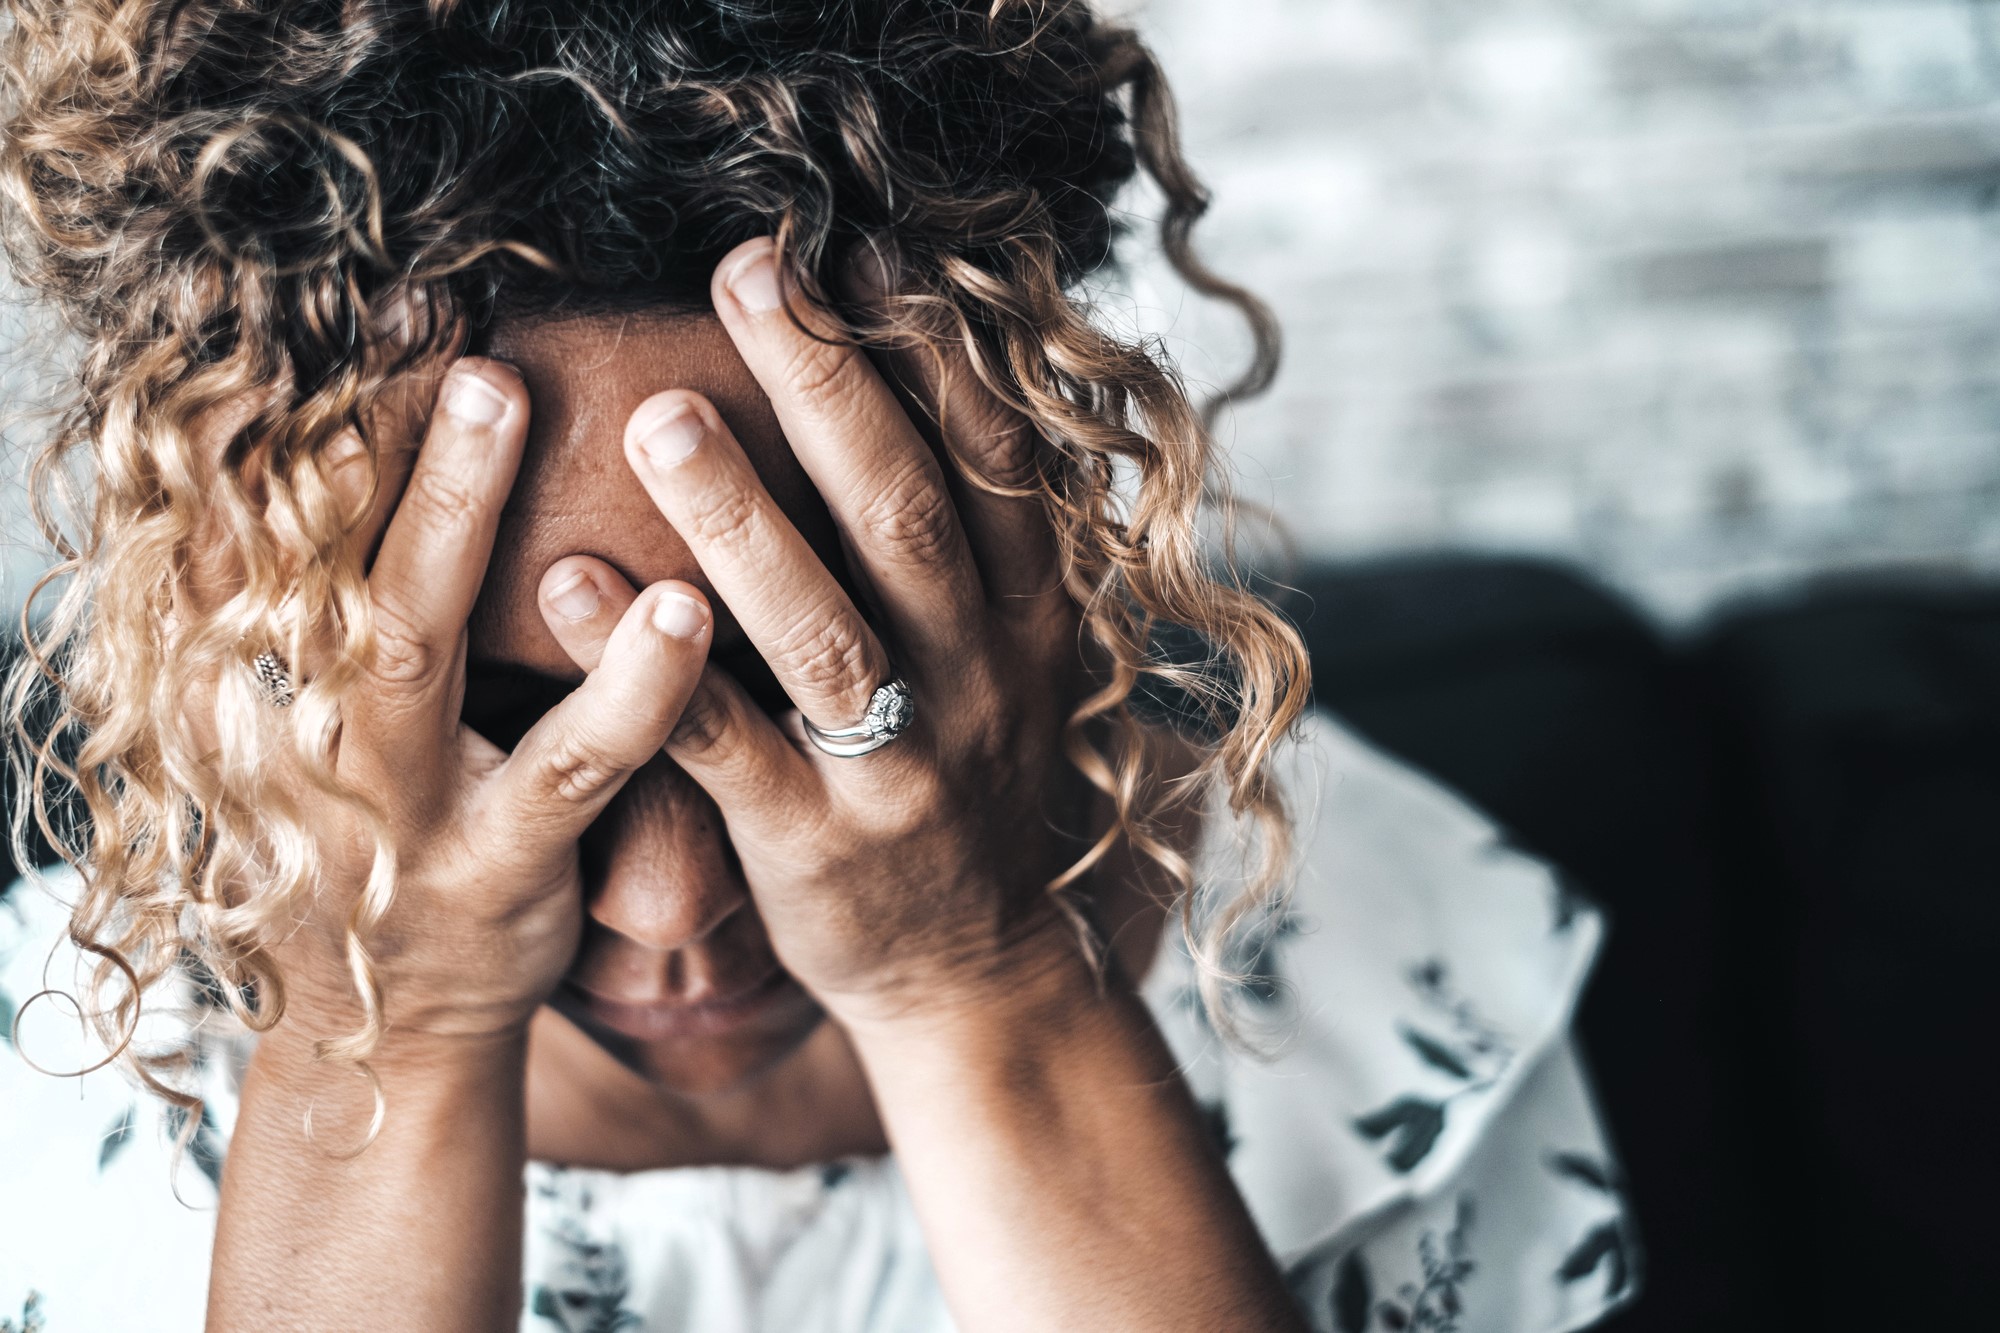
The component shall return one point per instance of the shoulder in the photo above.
(96, 1225)
(1416, 1054)
(1374, 825)
(1407, 893)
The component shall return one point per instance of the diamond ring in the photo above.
(890, 712)
(275, 679)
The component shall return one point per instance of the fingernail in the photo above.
(679, 617)
(576, 597)
(473, 401)
(754, 284)
(672, 438)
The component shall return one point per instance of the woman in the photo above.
(529, 666)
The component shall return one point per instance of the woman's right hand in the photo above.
(487, 903)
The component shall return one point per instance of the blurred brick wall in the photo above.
(1704, 293)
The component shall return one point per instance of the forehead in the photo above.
(576, 495)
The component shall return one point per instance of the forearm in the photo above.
(1061, 1170)
(421, 1229)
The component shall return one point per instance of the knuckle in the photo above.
(829, 661)
(1000, 452)
(574, 771)
(444, 504)
(732, 519)
(703, 729)
(981, 716)
(1050, 626)
(818, 370)
(402, 655)
(981, 694)
(911, 518)
(991, 736)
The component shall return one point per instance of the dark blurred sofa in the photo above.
(1792, 820)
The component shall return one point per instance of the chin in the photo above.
(701, 1050)
(707, 1068)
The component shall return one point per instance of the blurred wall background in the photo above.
(1704, 294)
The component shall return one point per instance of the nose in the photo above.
(658, 868)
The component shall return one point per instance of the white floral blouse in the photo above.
(1421, 1152)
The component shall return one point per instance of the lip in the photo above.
(665, 1020)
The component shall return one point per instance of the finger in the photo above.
(434, 554)
(878, 477)
(571, 763)
(800, 619)
(991, 452)
(582, 601)
(399, 417)
(995, 476)
(741, 756)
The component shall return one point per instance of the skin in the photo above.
(651, 926)
(668, 917)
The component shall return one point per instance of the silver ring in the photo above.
(890, 712)
(275, 679)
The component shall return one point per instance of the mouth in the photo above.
(666, 1020)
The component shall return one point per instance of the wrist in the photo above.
(324, 1004)
(407, 1063)
(1040, 995)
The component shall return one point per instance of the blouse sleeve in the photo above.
(1530, 1233)
(1410, 1124)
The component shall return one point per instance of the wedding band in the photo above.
(890, 712)
(275, 679)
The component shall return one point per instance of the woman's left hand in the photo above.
(919, 869)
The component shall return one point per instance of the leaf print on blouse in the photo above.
(204, 1145)
(1215, 1124)
(117, 1137)
(1251, 963)
(31, 1320)
(1434, 1306)
(1254, 960)
(586, 1288)
(1410, 1124)
(1611, 1244)
(1453, 1041)
(1353, 1295)
(1484, 1043)
(7, 1010)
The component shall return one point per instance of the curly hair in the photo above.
(227, 201)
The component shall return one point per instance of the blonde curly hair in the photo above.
(225, 200)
